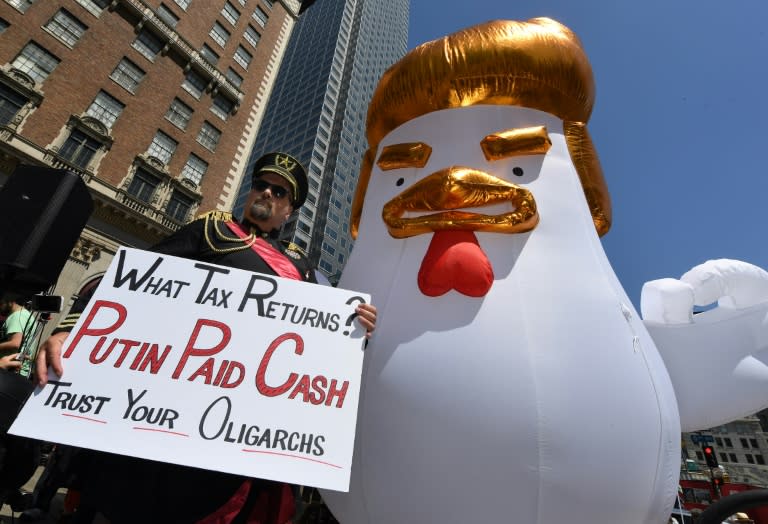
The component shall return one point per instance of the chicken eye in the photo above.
(517, 171)
(400, 182)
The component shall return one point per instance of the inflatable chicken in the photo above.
(510, 380)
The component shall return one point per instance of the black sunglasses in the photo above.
(262, 185)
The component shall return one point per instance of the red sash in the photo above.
(276, 504)
(274, 258)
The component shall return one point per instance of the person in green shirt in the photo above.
(16, 333)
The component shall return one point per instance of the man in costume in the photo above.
(127, 489)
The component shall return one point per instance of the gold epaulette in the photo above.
(292, 246)
(226, 216)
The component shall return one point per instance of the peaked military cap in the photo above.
(287, 167)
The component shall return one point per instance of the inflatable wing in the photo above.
(717, 359)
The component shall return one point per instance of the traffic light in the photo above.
(717, 484)
(709, 456)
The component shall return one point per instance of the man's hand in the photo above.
(9, 362)
(366, 314)
(49, 354)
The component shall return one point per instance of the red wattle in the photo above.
(455, 260)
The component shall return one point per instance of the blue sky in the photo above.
(679, 121)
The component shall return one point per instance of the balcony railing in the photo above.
(184, 47)
(147, 210)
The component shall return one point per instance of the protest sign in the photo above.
(213, 367)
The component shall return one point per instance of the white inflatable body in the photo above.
(543, 401)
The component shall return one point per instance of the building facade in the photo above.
(336, 55)
(741, 449)
(155, 104)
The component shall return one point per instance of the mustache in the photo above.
(442, 196)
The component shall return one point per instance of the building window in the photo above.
(268, 3)
(79, 149)
(209, 136)
(260, 16)
(219, 34)
(4, 25)
(162, 147)
(719, 441)
(167, 16)
(35, 61)
(194, 84)
(143, 185)
(183, 3)
(252, 36)
(744, 443)
(230, 14)
(222, 107)
(750, 458)
(760, 460)
(95, 7)
(21, 5)
(148, 45)
(242, 2)
(732, 456)
(727, 442)
(209, 54)
(105, 109)
(233, 77)
(179, 206)
(66, 27)
(243, 57)
(128, 75)
(723, 457)
(179, 113)
(10, 104)
(753, 442)
(194, 169)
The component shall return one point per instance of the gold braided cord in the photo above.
(247, 242)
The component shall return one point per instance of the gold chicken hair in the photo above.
(538, 64)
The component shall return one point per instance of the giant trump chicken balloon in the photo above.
(510, 380)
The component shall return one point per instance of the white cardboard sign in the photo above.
(213, 367)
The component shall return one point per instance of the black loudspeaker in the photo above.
(43, 211)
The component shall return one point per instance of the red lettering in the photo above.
(261, 383)
(206, 370)
(220, 373)
(333, 392)
(302, 387)
(234, 365)
(86, 330)
(319, 383)
(192, 351)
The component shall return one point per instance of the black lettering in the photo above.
(318, 451)
(132, 274)
(56, 385)
(132, 401)
(280, 436)
(260, 298)
(224, 421)
(211, 270)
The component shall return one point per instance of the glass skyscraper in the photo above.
(337, 53)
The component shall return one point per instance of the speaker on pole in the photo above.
(43, 211)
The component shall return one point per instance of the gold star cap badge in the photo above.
(287, 167)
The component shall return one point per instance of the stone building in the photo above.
(155, 104)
